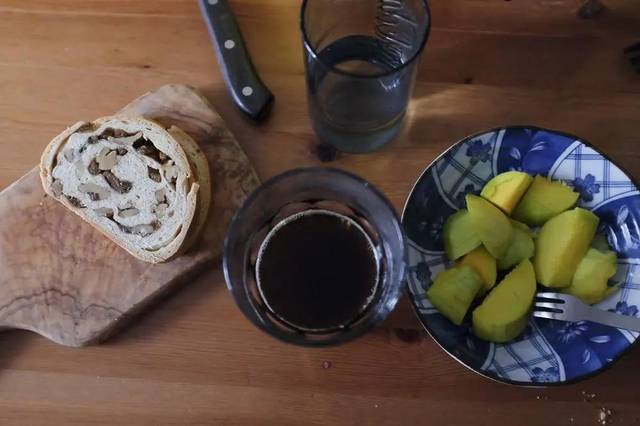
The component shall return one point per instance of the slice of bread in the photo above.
(146, 188)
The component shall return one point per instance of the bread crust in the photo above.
(200, 167)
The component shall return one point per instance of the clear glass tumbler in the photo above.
(266, 206)
(360, 60)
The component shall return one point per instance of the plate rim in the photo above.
(488, 375)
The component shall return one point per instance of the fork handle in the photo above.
(613, 319)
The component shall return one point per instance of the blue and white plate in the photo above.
(549, 351)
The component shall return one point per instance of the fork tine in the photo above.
(552, 306)
(552, 297)
(546, 315)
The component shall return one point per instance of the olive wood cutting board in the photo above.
(61, 278)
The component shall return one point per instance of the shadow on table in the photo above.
(12, 344)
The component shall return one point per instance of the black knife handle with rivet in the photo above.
(248, 91)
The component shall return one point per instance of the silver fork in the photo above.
(564, 307)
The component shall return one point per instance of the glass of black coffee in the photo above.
(315, 257)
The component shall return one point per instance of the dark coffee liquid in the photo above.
(318, 271)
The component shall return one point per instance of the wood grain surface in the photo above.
(194, 359)
(63, 279)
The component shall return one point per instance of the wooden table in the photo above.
(194, 359)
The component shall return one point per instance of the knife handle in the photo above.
(248, 91)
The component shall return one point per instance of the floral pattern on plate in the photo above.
(548, 351)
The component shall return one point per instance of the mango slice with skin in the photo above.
(521, 247)
(506, 189)
(483, 264)
(504, 313)
(561, 244)
(543, 200)
(453, 290)
(459, 235)
(589, 282)
(490, 224)
(524, 228)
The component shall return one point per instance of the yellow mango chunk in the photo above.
(483, 264)
(561, 245)
(453, 290)
(490, 224)
(459, 235)
(521, 247)
(543, 200)
(503, 314)
(506, 189)
(589, 282)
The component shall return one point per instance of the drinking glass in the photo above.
(264, 207)
(360, 61)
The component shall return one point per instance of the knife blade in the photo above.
(248, 91)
